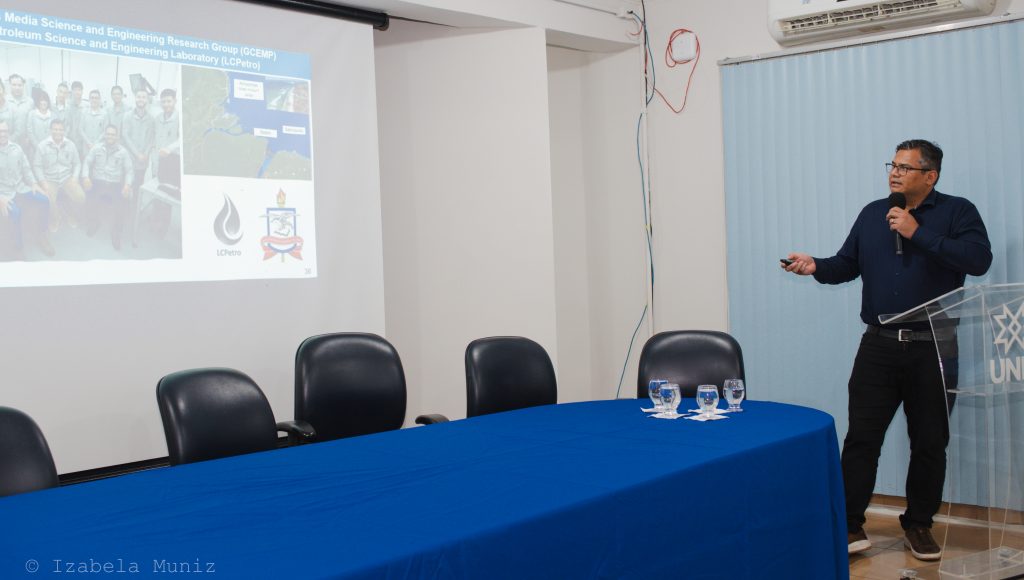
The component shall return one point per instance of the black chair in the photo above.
(25, 460)
(349, 384)
(689, 358)
(216, 412)
(507, 372)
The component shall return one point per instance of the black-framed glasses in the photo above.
(902, 170)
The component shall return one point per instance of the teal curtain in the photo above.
(806, 137)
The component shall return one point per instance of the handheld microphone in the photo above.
(898, 200)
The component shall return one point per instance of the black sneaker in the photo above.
(857, 541)
(922, 545)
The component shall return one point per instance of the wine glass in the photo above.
(734, 392)
(654, 392)
(670, 399)
(707, 399)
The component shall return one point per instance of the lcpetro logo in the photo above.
(1006, 325)
(227, 226)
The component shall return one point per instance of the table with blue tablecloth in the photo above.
(581, 490)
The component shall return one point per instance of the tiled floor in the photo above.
(887, 556)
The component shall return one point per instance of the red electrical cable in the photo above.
(671, 62)
(639, 29)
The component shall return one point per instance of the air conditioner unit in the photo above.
(798, 21)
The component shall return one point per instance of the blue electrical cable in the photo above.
(629, 350)
(648, 96)
(643, 194)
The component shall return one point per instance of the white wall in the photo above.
(595, 100)
(464, 121)
(687, 171)
(599, 243)
(466, 199)
(569, 210)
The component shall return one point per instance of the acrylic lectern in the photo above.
(979, 337)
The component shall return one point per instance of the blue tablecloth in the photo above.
(581, 490)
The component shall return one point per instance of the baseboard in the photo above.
(76, 477)
(957, 510)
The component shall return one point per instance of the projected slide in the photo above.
(130, 155)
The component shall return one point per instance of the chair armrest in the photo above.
(431, 419)
(298, 431)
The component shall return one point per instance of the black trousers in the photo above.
(888, 372)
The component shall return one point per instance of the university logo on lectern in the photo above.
(1007, 328)
(282, 231)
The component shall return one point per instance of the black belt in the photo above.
(902, 334)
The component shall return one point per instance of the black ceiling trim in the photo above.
(378, 20)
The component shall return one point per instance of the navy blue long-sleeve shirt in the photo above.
(950, 242)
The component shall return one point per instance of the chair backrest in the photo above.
(507, 372)
(214, 412)
(349, 384)
(25, 460)
(689, 358)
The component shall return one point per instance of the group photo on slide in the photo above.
(134, 155)
(91, 162)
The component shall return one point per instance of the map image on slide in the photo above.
(245, 125)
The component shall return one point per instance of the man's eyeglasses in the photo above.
(902, 170)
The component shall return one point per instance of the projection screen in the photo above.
(186, 184)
